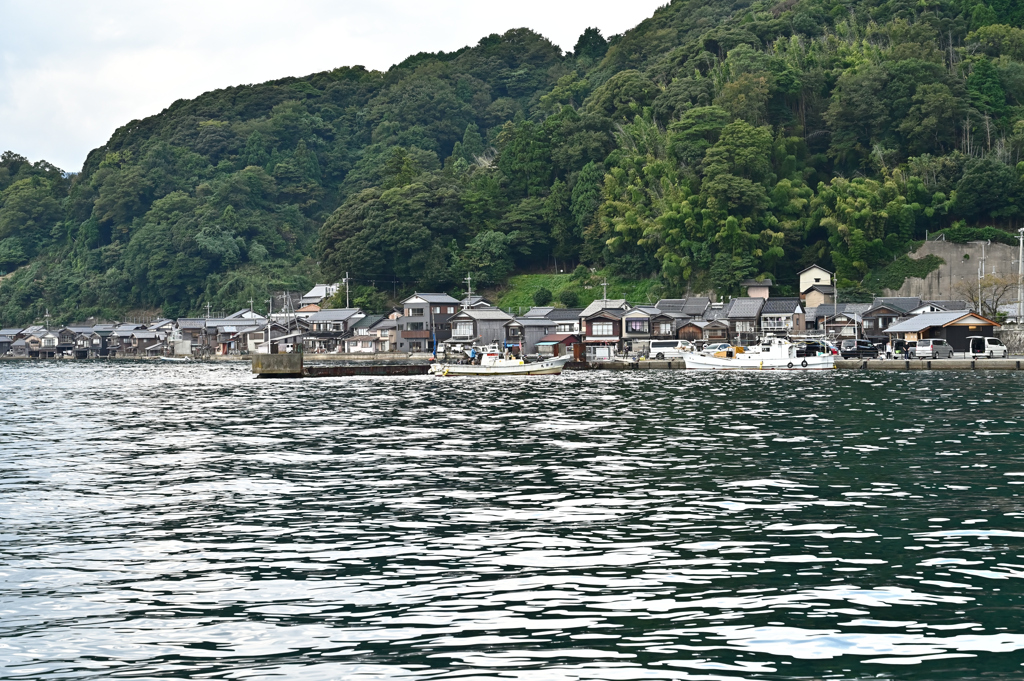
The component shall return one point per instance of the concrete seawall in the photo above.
(277, 366)
(932, 365)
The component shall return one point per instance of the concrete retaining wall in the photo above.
(278, 366)
(1012, 336)
(941, 284)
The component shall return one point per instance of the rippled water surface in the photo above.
(189, 521)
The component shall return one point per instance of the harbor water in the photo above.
(190, 521)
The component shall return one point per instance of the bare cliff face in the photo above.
(961, 265)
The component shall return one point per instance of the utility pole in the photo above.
(604, 286)
(207, 310)
(469, 290)
(346, 290)
(1020, 279)
(250, 304)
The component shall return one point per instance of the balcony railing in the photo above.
(415, 334)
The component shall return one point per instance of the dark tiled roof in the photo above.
(339, 315)
(434, 298)
(780, 305)
(564, 314)
(745, 308)
(898, 304)
(368, 321)
(755, 282)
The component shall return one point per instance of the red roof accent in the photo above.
(559, 337)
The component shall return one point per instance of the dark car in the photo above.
(813, 349)
(858, 348)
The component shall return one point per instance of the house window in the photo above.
(565, 328)
(414, 326)
(362, 332)
(744, 327)
(437, 310)
(514, 332)
(414, 312)
(415, 347)
(367, 344)
(637, 325)
(464, 329)
(337, 327)
(665, 329)
(601, 328)
(451, 310)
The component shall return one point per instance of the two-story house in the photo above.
(744, 317)
(328, 329)
(477, 326)
(425, 321)
(816, 286)
(636, 328)
(363, 338)
(782, 316)
(526, 332)
(601, 325)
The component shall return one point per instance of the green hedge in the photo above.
(960, 234)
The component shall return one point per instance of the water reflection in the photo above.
(189, 521)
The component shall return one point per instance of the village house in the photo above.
(954, 326)
(476, 326)
(601, 324)
(782, 316)
(757, 288)
(361, 339)
(425, 321)
(526, 333)
(744, 317)
(557, 345)
(935, 306)
(328, 329)
(318, 293)
(816, 287)
(19, 348)
(636, 329)
(385, 333)
(5, 344)
(667, 324)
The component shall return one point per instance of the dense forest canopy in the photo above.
(714, 142)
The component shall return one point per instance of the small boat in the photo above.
(771, 354)
(176, 359)
(491, 361)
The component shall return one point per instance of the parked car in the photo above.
(986, 346)
(668, 349)
(858, 348)
(933, 348)
(813, 349)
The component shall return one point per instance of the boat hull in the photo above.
(754, 363)
(547, 367)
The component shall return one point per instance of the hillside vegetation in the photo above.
(713, 142)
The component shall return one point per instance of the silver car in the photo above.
(933, 348)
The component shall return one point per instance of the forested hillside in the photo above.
(715, 141)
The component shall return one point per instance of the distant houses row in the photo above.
(429, 322)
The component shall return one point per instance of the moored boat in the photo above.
(771, 354)
(490, 361)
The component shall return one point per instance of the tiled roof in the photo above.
(10, 332)
(536, 322)
(745, 308)
(333, 315)
(618, 303)
(538, 312)
(780, 306)
(368, 321)
(558, 337)
(755, 282)
(486, 314)
(898, 304)
(949, 305)
(562, 314)
(433, 298)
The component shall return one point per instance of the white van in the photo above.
(985, 346)
(669, 349)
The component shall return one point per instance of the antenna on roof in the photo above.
(469, 290)
(604, 285)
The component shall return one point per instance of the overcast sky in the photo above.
(72, 72)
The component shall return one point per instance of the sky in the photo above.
(73, 72)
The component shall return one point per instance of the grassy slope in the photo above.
(520, 289)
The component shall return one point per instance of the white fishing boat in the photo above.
(491, 361)
(771, 354)
(175, 359)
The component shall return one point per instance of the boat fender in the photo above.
(790, 365)
(804, 364)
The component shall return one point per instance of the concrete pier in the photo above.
(287, 365)
(931, 364)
